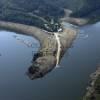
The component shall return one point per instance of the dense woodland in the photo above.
(39, 12)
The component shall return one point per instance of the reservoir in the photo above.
(68, 82)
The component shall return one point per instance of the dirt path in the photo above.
(58, 47)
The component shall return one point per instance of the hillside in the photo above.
(40, 12)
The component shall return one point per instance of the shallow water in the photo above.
(65, 83)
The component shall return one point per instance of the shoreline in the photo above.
(44, 60)
(75, 21)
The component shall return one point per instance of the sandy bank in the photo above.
(24, 29)
(75, 21)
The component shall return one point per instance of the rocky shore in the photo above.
(93, 90)
(45, 59)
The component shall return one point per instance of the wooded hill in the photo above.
(39, 12)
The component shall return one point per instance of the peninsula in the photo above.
(53, 45)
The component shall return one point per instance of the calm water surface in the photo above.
(65, 83)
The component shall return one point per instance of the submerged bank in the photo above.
(45, 59)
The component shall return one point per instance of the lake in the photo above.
(68, 82)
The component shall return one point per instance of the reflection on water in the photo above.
(64, 83)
